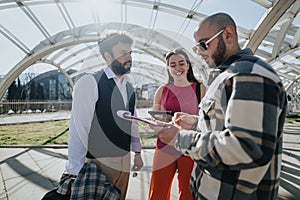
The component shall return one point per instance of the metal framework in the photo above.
(275, 39)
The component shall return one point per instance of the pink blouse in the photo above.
(178, 99)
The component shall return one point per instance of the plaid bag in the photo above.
(91, 183)
(53, 195)
(65, 183)
(63, 189)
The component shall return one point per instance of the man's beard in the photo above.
(120, 68)
(218, 56)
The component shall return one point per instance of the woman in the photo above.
(182, 93)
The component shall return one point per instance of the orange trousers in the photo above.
(164, 168)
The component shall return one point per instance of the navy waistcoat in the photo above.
(110, 135)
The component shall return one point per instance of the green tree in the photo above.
(32, 94)
(12, 91)
(40, 92)
(20, 90)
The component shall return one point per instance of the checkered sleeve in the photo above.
(249, 138)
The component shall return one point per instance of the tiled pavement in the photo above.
(29, 172)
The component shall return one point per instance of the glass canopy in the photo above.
(41, 35)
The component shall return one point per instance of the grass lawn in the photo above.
(56, 132)
(52, 132)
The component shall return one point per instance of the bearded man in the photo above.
(96, 133)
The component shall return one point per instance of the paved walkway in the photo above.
(28, 173)
(33, 117)
(48, 116)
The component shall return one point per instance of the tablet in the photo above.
(127, 115)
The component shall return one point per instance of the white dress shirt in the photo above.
(85, 96)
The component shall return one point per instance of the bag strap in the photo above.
(198, 92)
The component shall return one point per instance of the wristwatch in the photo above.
(137, 154)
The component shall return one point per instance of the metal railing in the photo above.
(21, 106)
(18, 106)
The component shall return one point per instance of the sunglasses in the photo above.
(203, 46)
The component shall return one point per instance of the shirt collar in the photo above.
(110, 74)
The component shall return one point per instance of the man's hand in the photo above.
(138, 162)
(185, 121)
(166, 132)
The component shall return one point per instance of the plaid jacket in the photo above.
(238, 151)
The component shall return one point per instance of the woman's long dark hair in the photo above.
(190, 73)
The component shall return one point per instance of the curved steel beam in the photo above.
(156, 49)
(288, 87)
(268, 22)
(86, 34)
(60, 69)
(29, 60)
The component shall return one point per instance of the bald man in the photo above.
(237, 145)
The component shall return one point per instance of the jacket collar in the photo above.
(234, 58)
